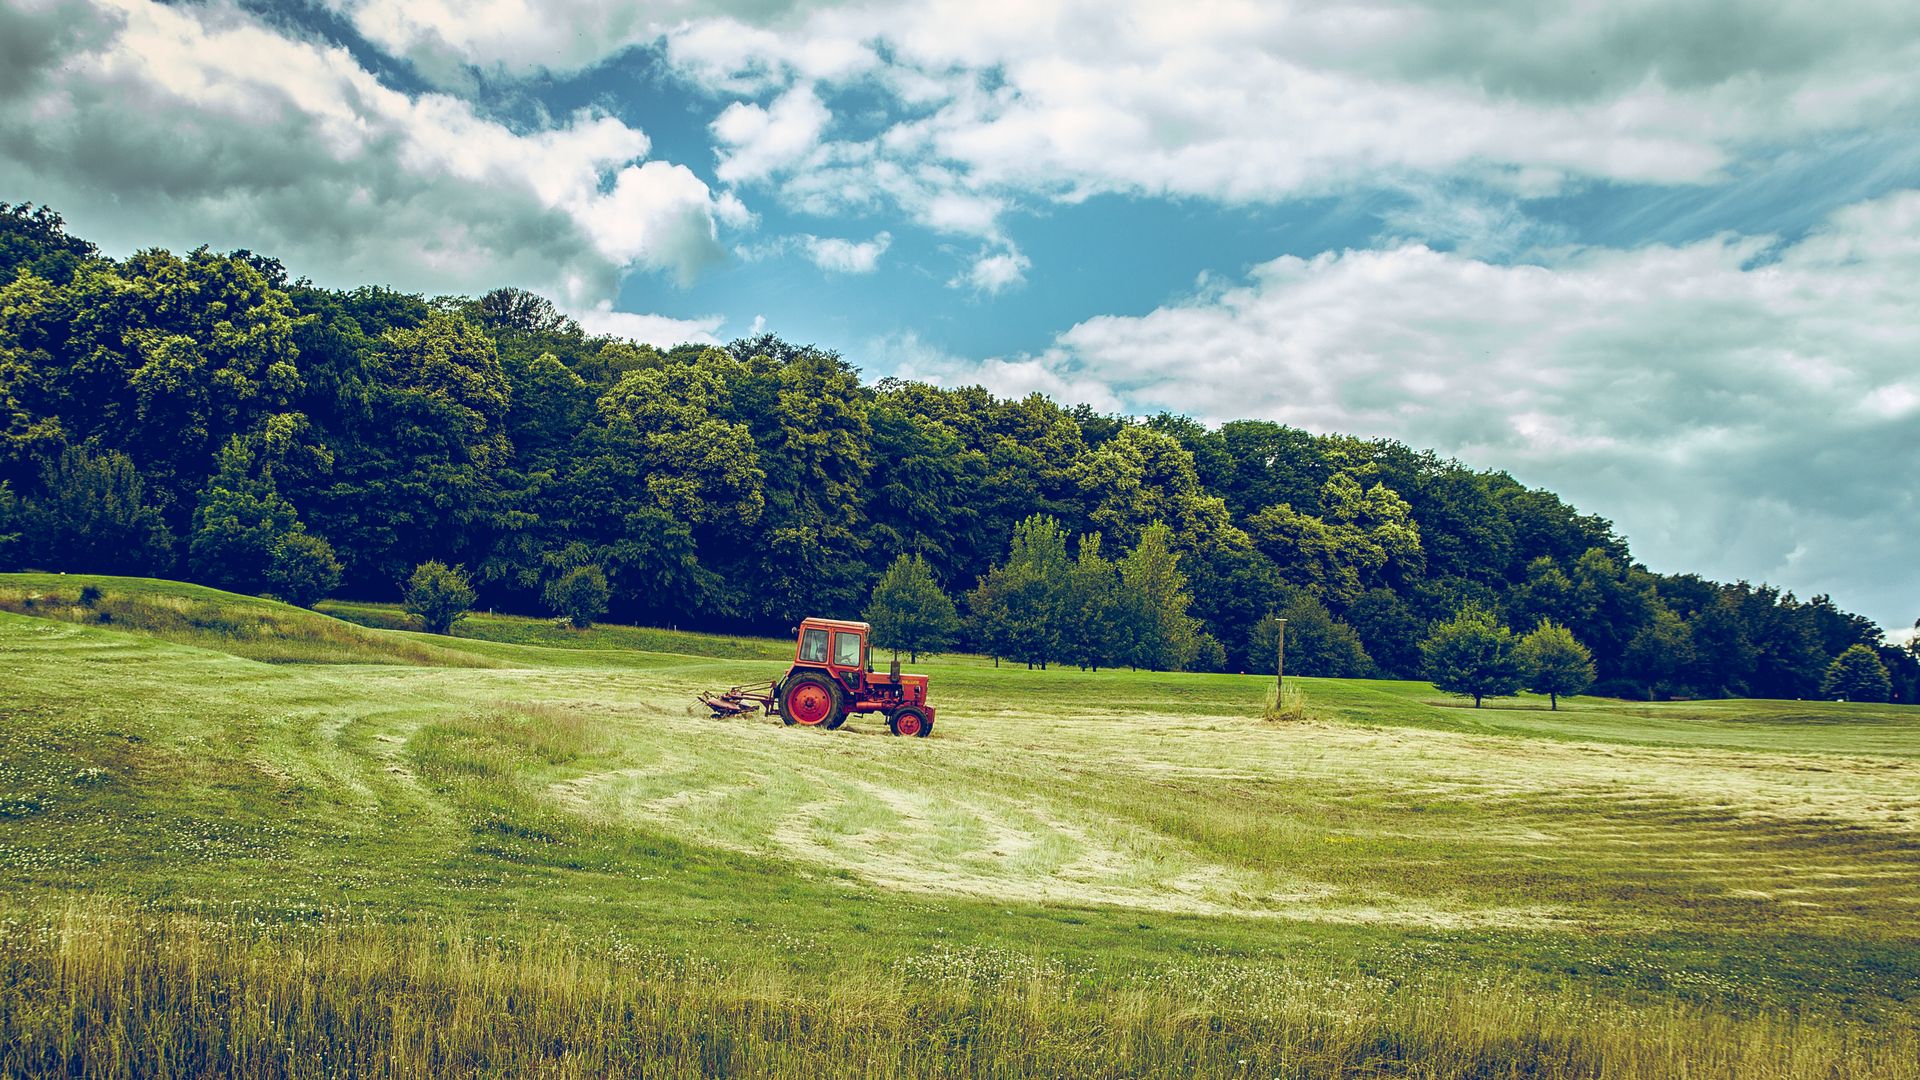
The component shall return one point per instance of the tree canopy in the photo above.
(910, 611)
(1472, 655)
(1554, 663)
(1857, 675)
(165, 414)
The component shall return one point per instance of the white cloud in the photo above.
(1256, 102)
(656, 215)
(510, 37)
(830, 253)
(734, 213)
(744, 46)
(735, 56)
(846, 256)
(152, 123)
(754, 141)
(1735, 415)
(987, 104)
(656, 330)
(908, 356)
(994, 271)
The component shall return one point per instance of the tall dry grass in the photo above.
(111, 993)
(258, 630)
(1287, 706)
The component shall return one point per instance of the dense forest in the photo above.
(207, 417)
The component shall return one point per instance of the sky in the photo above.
(1660, 258)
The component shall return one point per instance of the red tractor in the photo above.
(832, 678)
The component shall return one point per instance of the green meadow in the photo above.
(238, 837)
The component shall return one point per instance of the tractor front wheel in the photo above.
(810, 699)
(910, 720)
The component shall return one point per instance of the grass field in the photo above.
(236, 836)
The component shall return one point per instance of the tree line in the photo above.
(205, 415)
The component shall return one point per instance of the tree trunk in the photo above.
(1476, 701)
(1555, 699)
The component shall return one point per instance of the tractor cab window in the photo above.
(813, 646)
(846, 649)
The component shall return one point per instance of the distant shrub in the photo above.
(303, 571)
(439, 595)
(1208, 654)
(580, 594)
(1317, 643)
(89, 595)
(1857, 675)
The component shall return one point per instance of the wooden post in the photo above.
(1280, 665)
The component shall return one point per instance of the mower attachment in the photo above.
(739, 699)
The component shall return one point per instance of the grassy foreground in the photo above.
(237, 837)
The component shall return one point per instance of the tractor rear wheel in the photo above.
(910, 720)
(811, 699)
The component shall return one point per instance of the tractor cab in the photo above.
(839, 648)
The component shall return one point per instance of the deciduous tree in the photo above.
(1389, 631)
(1021, 601)
(1151, 582)
(910, 611)
(239, 524)
(1207, 654)
(1659, 654)
(1093, 634)
(1555, 663)
(1317, 643)
(9, 525)
(1472, 655)
(1857, 675)
(92, 515)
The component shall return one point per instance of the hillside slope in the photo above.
(1731, 861)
